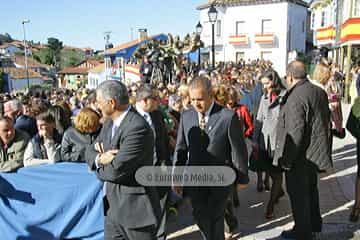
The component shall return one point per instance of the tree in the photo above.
(55, 47)
(37, 58)
(4, 38)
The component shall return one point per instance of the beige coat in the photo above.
(12, 158)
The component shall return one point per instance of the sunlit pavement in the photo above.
(336, 189)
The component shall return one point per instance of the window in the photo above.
(240, 27)
(303, 26)
(218, 28)
(323, 19)
(357, 8)
(240, 56)
(266, 26)
(312, 20)
(206, 29)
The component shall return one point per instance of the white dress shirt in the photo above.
(207, 113)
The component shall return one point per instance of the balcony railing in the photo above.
(326, 34)
(264, 38)
(241, 39)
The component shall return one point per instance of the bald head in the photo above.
(296, 69)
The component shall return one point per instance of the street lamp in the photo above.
(25, 52)
(198, 32)
(212, 18)
(107, 46)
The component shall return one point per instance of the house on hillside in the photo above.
(43, 69)
(9, 49)
(77, 76)
(6, 62)
(18, 79)
(89, 52)
(252, 29)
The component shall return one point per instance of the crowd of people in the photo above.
(240, 115)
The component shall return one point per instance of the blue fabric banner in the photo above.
(58, 201)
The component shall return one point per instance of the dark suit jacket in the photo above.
(129, 204)
(162, 145)
(161, 140)
(223, 144)
(26, 124)
(303, 130)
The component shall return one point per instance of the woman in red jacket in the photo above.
(242, 112)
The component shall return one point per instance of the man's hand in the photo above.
(108, 157)
(99, 147)
(240, 186)
(45, 134)
(178, 190)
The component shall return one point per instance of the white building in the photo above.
(266, 29)
(96, 76)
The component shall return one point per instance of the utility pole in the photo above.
(25, 53)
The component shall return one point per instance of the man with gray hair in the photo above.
(125, 143)
(209, 135)
(303, 149)
(14, 110)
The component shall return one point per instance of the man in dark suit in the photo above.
(146, 105)
(209, 135)
(303, 148)
(125, 143)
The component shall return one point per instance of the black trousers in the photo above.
(301, 184)
(209, 209)
(358, 156)
(114, 231)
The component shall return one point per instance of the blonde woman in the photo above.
(76, 139)
(220, 93)
(322, 77)
(183, 92)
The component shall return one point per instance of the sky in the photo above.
(82, 23)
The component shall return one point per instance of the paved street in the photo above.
(336, 198)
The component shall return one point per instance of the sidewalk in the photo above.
(336, 189)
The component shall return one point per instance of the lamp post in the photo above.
(198, 32)
(212, 18)
(107, 45)
(25, 53)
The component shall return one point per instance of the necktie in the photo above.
(202, 122)
(148, 120)
(113, 130)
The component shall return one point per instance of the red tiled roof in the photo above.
(20, 73)
(74, 70)
(5, 45)
(30, 61)
(99, 68)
